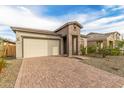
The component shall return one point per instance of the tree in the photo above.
(120, 44)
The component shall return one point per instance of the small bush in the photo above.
(115, 52)
(109, 51)
(83, 50)
(91, 49)
(2, 64)
(104, 52)
(2, 61)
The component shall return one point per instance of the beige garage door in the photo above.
(40, 47)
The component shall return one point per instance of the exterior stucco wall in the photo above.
(63, 32)
(105, 42)
(90, 43)
(74, 31)
(94, 43)
(116, 36)
(69, 31)
(20, 35)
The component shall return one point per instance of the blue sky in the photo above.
(94, 18)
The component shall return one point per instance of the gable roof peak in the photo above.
(69, 23)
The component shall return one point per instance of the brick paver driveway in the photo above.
(63, 72)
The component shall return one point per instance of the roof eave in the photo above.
(15, 29)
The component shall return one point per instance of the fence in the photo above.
(9, 50)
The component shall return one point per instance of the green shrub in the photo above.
(109, 51)
(2, 61)
(91, 49)
(83, 50)
(2, 64)
(120, 44)
(115, 52)
(104, 52)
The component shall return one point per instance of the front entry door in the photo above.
(64, 45)
(74, 45)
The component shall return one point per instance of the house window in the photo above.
(75, 28)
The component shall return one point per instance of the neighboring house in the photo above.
(9, 48)
(103, 40)
(65, 40)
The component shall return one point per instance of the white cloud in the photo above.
(23, 17)
(118, 8)
(74, 17)
(118, 26)
(104, 20)
(106, 24)
(114, 7)
(82, 18)
(25, 10)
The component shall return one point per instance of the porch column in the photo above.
(61, 46)
(79, 43)
(69, 45)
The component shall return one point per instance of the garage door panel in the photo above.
(53, 47)
(55, 51)
(34, 48)
(40, 47)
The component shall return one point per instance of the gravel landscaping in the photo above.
(113, 64)
(10, 73)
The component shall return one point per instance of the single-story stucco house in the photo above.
(65, 40)
(103, 40)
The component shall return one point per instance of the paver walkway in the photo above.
(64, 72)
